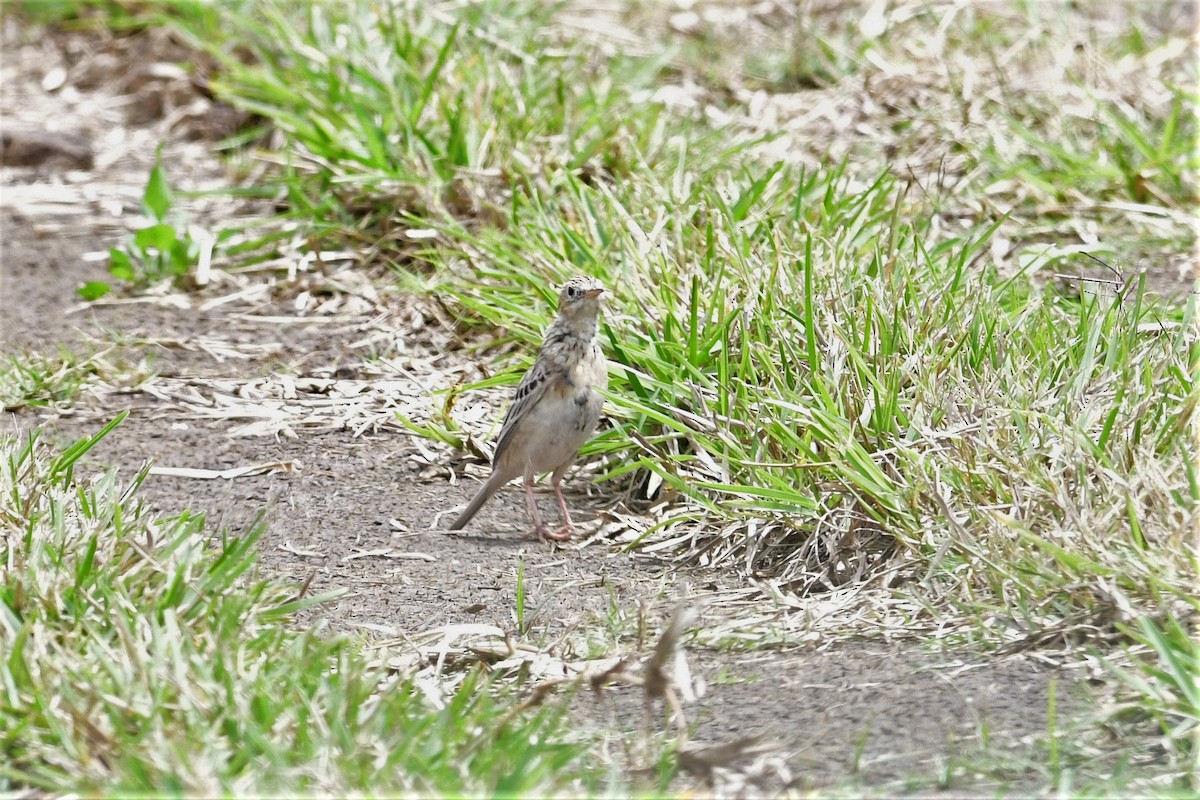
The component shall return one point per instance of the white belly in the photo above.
(552, 437)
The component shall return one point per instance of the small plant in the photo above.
(155, 252)
(520, 607)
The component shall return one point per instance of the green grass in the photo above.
(388, 111)
(836, 369)
(141, 654)
(35, 379)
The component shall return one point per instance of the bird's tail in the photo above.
(482, 496)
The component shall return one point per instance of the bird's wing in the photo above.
(530, 391)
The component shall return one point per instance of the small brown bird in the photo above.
(556, 407)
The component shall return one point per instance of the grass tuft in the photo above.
(141, 654)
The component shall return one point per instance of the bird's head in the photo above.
(580, 295)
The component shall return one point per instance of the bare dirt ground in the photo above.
(234, 374)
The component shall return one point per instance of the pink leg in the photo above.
(566, 531)
(539, 527)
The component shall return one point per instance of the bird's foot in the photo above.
(563, 534)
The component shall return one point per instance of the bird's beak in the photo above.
(592, 294)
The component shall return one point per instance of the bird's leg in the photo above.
(565, 532)
(539, 527)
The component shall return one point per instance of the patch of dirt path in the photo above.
(355, 510)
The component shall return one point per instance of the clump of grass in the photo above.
(35, 379)
(142, 655)
(390, 112)
(1077, 123)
